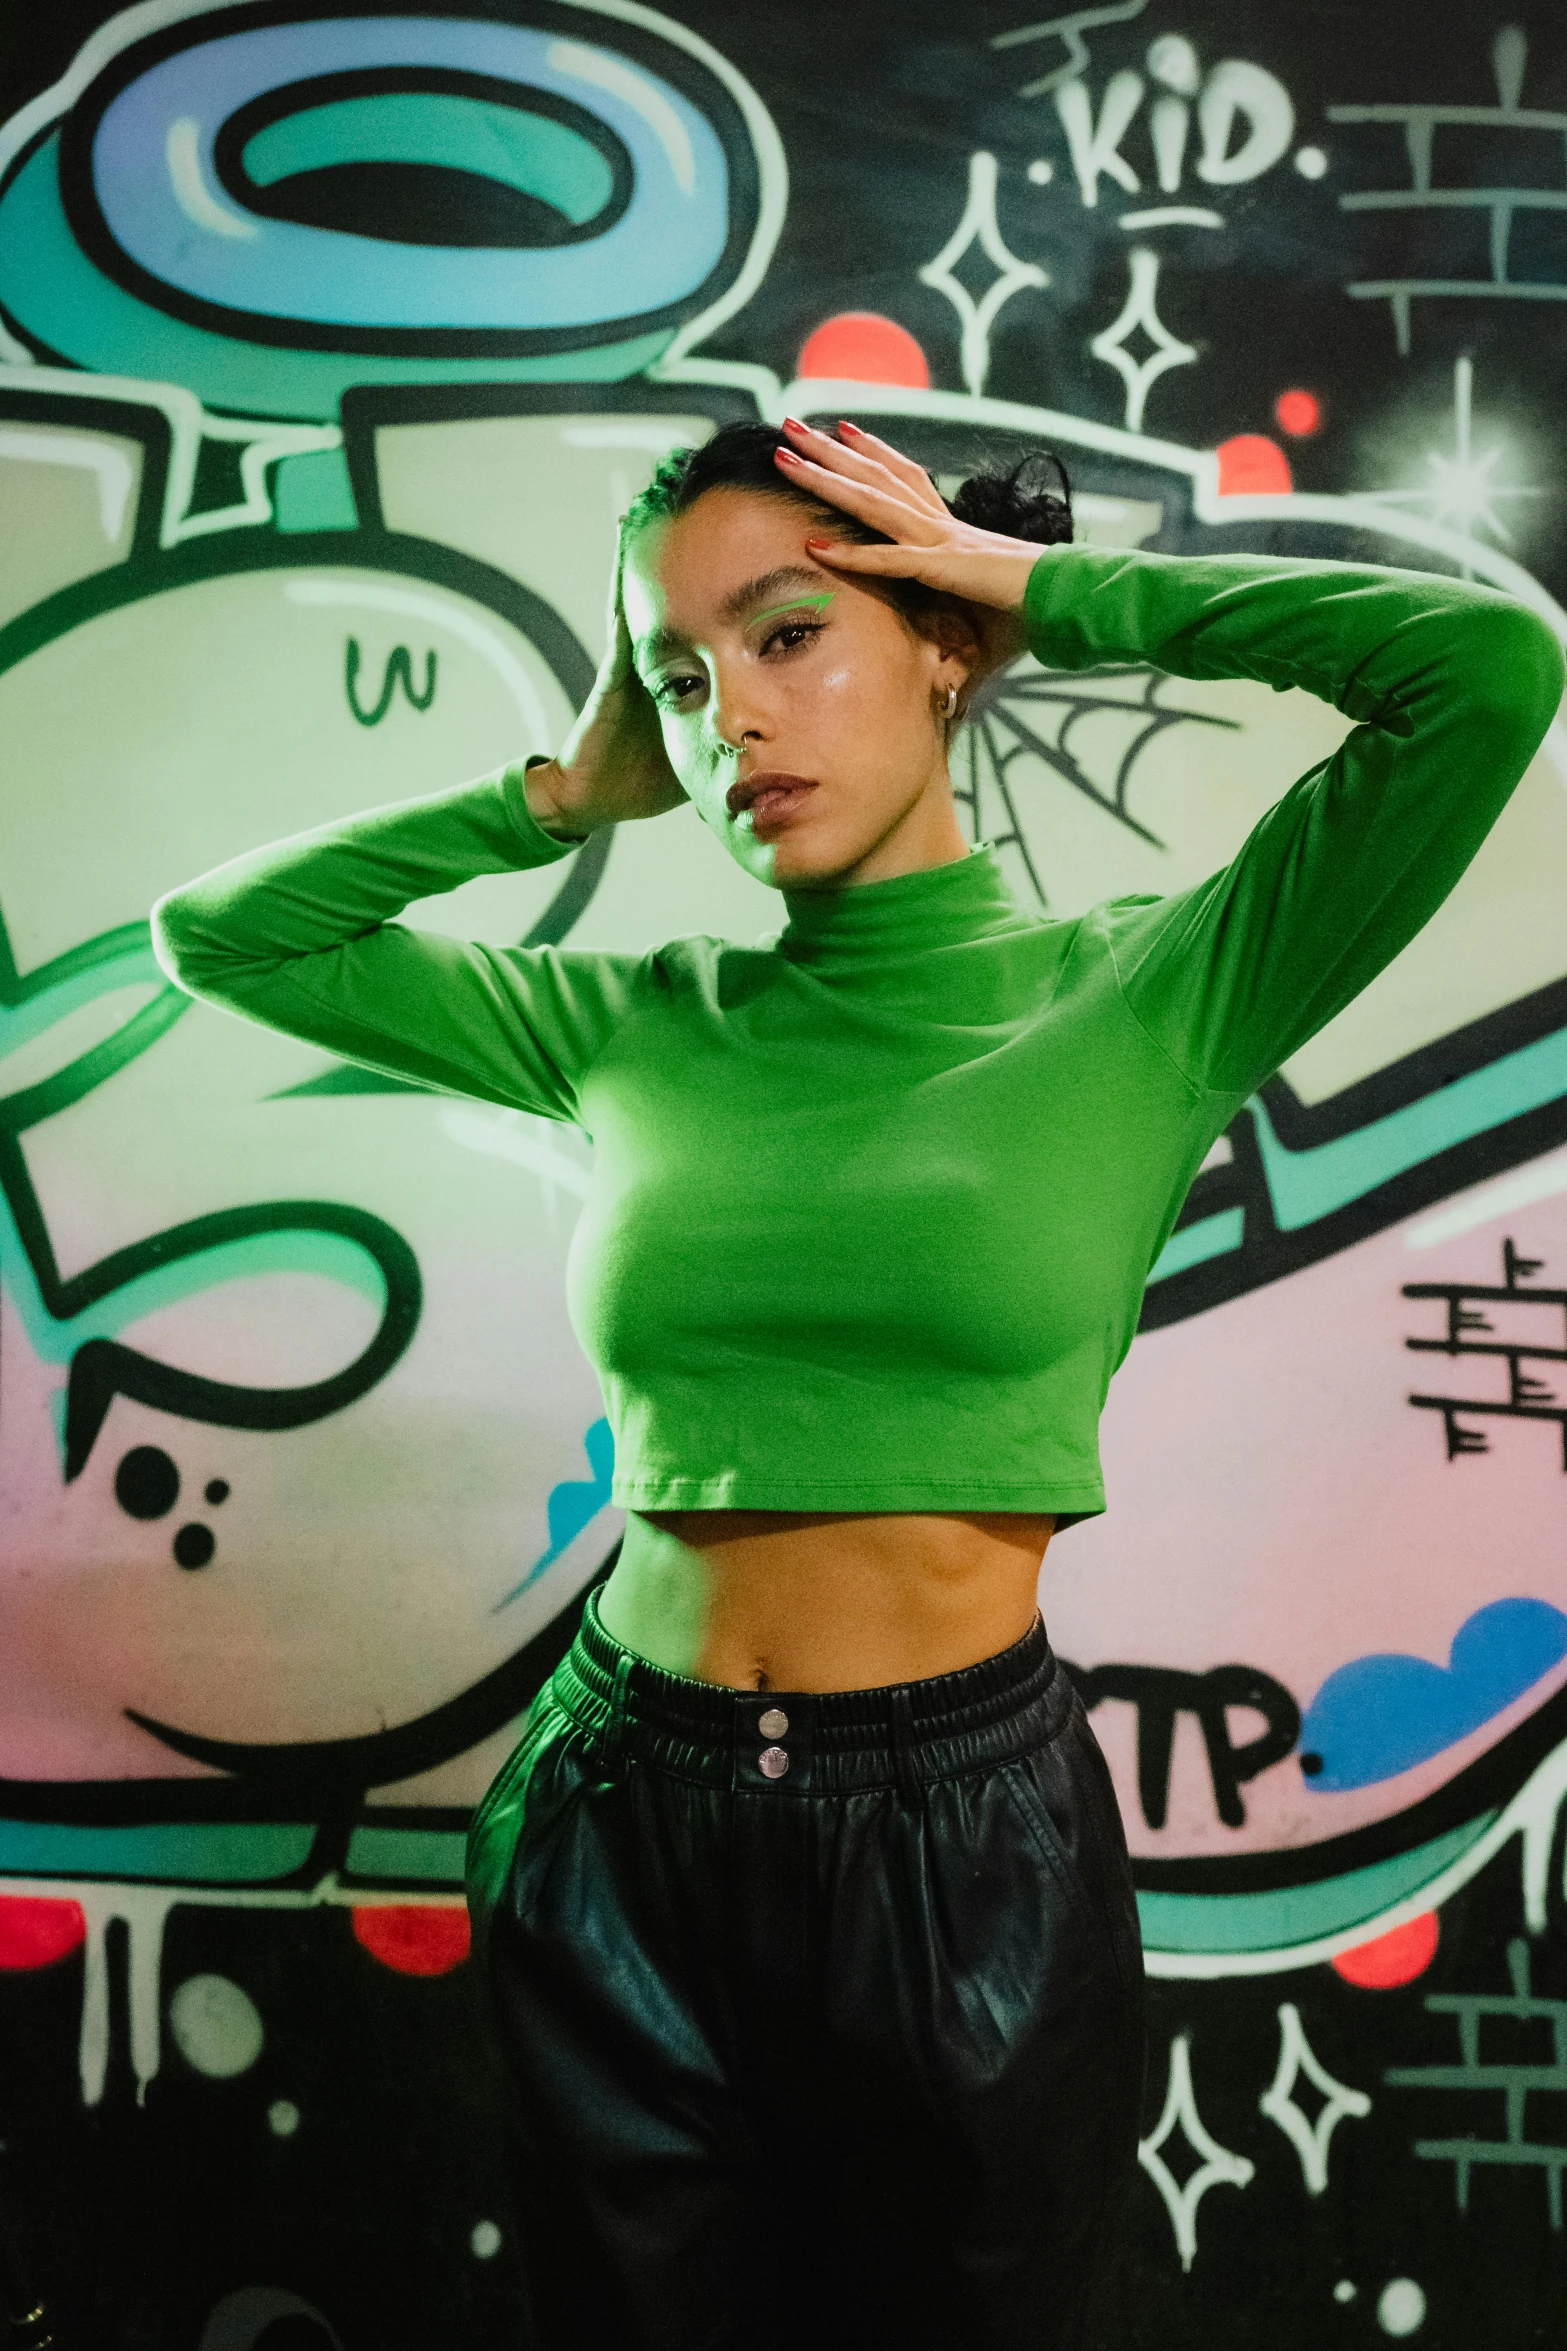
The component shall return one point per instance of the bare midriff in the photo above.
(794, 1600)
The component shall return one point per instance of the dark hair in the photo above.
(740, 456)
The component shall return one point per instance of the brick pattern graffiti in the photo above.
(1470, 1331)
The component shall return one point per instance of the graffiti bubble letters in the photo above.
(1470, 1331)
(1096, 146)
(398, 672)
(1245, 118)
(1160, 1693)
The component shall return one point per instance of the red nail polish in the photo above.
(844, 426)
(814, 542)
(792, 424)
(786, 457)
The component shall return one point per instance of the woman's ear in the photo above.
(951, 628)
(951, 631)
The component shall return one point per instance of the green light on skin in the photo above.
(795, 604)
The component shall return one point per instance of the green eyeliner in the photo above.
(795, 604)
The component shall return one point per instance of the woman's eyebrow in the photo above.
(794, 604)
(659, 643)
(770, 583)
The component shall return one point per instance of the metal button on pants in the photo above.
(829, 2032)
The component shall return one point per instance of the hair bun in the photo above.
(1021, 504)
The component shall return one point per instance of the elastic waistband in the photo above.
(794, 1742)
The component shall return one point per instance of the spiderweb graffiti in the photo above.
(1028, 714)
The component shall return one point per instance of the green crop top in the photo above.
(874, 1201)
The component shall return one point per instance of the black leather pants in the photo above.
(824, 2012)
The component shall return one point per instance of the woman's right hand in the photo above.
(612, 766)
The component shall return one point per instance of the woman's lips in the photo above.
(771, 798)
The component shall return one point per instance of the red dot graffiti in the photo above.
(38, 1929)
(1394, 1958)
(1250, 465)
(1297, 413)
(415, 1938)
(862, 347)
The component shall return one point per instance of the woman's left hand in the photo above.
(880, 486)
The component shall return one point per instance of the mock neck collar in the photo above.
(939, 906)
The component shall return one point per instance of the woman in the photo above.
(803, 1901)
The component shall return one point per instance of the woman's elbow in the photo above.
(1548, 668)
(1513, 674)
(183, 943)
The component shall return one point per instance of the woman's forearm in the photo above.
(300, 937)
(1453, 687)
(318, 889)
(1400, 650)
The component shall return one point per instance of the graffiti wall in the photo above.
(333, 339)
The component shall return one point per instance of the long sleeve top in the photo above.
(874, 1201)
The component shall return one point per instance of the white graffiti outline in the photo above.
(264, 439)
(1543, 1181)
(1309, 2140)
(145, 1909)
(1069, 31)
(979, 225)
(1220, 2166)
(1172, 216)
(1140, 309)
(1531, 1815)
(47, 445)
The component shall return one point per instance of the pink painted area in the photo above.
(1274, 1500)
(358, 1559)
(1394, 1958)
(865, 348)
(38, 1929)
(1250, 465)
